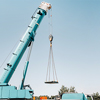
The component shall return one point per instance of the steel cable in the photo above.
(51, 64)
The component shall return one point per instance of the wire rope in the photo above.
(29, 52)
(51, 22)
(48, 66)
(51, 64)
(54, 66)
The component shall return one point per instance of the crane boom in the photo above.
(11, 92)
(24, 42)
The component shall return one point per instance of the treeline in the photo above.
(72, 89)
(66, 90)
(96, 96)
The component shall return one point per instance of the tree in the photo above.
(96, 96)
(64, 89)
(72, 89)
(52, 97)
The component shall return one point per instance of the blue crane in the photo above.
(11, 92)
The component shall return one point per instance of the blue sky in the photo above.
(76, 44)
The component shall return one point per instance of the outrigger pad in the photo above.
(51, 82)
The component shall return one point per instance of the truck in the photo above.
(76, 96)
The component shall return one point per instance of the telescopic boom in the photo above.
(11, 92)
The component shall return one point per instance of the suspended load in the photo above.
(51, 66)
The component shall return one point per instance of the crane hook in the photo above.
(51, 39)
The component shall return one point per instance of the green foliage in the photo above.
(96, 96)
(72, 89)
(67, 90)
(89, 98)
(52, 97)
(63, 89)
